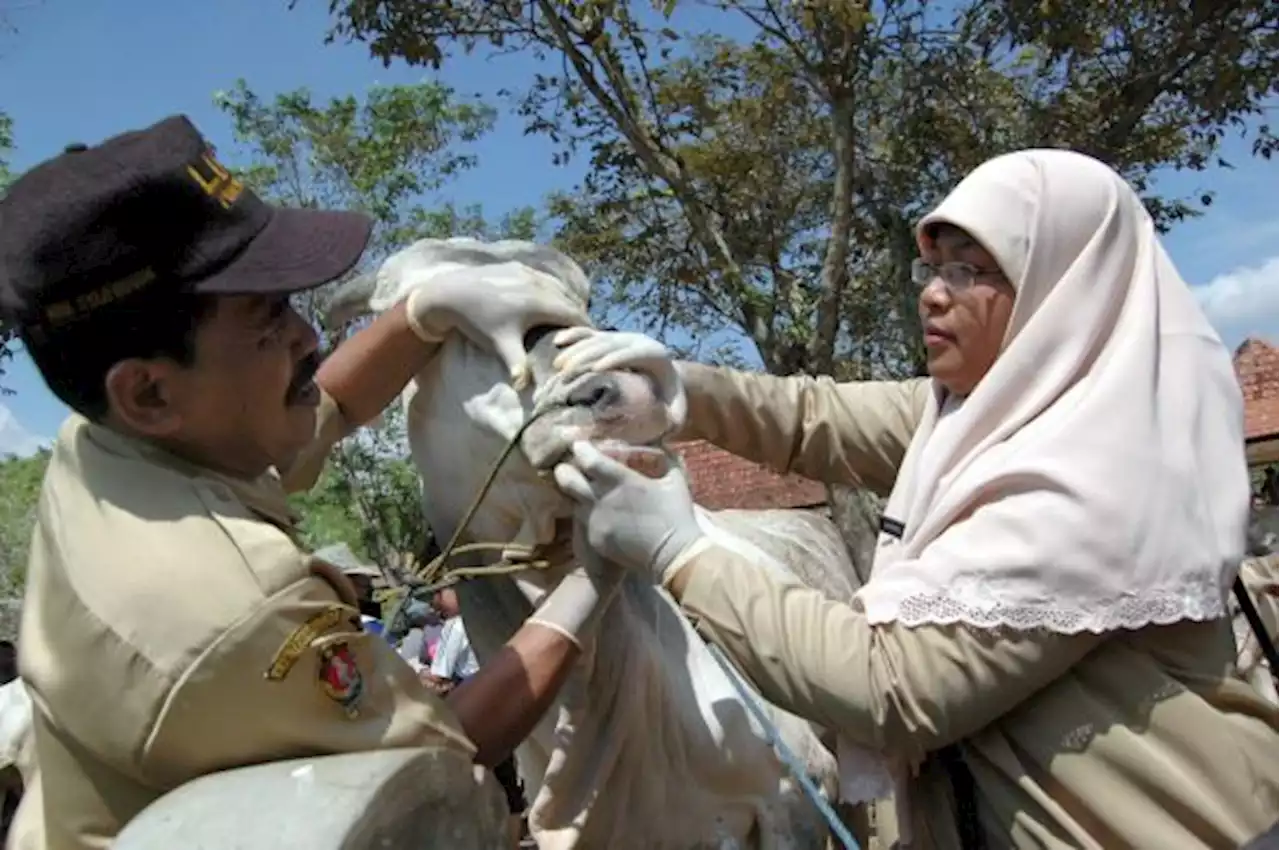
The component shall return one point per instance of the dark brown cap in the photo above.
(151, 209)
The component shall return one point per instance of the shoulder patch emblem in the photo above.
(302, 637)
(340, 678)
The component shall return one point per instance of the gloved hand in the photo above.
(575, 605)
(646, 524)
(589, 350)
(494, 306)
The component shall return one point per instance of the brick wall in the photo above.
(1258, 370)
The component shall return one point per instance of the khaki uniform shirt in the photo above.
(173, 628)
(1136, 739)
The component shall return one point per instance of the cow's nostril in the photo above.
(536, 334)
(597, 392)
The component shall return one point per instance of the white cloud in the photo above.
(15, 438)
(1244, 302)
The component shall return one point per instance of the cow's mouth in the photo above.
(638, 456)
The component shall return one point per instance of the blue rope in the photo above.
(784, 752)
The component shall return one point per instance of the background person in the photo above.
(454, 661)
(364, 577)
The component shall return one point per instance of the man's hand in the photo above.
(440, 687)
(500, 704)
(575, 605)
(646, 524)
(494, 306)
(589, 350)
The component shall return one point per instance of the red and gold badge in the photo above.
(340, 677)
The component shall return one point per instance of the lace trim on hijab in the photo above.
(1198, 598)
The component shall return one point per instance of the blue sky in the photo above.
(83, 70)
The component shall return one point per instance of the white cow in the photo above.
(1261, 579)
(17, 742)
(17, 745)
(648, 744)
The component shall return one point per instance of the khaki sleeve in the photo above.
(892, 689)
(297, 677)
(853, 433)
(331, 428)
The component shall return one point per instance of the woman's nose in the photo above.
(935, 297)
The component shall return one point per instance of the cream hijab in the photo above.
(1096, 478)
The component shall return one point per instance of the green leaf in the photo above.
(20, 482)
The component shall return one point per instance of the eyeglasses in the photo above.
(957, 276)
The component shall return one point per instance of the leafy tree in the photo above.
(387, 154)
(763, 183)
(758, 191)
(20, 480)
(6, 147)
(7, 339)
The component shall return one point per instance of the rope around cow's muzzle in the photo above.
(434, 576)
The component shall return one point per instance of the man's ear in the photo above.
(141, 394)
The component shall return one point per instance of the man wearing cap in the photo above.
(363, 577)
(151, 289)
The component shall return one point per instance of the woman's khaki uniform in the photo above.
(1145, 738)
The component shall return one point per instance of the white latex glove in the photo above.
(590, 350)
(646, 524)
(575, 605)
(494, 306)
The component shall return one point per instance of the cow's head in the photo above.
(463, 408)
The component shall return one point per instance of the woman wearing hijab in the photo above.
(1042, 656)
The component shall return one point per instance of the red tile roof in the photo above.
(1258, 370)
(721, 480)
